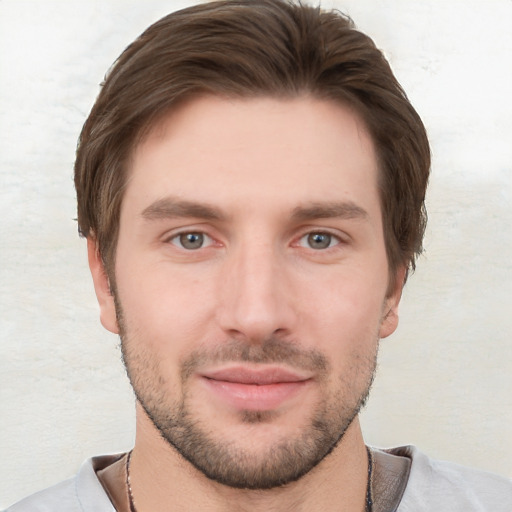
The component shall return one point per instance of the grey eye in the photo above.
(191, 241)
(318, 240)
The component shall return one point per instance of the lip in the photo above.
(255, 389)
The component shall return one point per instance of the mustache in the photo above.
(272, 350)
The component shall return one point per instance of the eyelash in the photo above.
(179, 239)
(331, 238)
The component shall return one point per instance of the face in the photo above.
(251, 283)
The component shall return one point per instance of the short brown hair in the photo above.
(251, 48)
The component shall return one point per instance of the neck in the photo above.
(160, 476)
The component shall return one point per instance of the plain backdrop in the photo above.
(445, 377)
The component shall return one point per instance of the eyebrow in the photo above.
(170, 207)
(330, 210)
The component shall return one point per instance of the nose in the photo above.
(256, 299)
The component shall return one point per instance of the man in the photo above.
(251, 183)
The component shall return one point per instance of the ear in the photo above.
(389, 321)
(102, 287)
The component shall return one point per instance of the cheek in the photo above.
(345, 316)
(352, 294)
(166, 311)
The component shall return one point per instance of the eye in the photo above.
(191, 241)
(318, 240)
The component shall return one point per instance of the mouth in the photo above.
(255, 389)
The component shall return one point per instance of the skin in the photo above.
(260, 182)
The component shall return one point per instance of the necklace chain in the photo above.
(128, 483)
(369, 486)
(368, 501)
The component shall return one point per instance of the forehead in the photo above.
(279, 151)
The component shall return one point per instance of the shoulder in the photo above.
(82, 493)
(61, 496)
(445, 486)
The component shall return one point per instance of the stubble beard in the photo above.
(280, 463)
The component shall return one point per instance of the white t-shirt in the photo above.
(433, 486)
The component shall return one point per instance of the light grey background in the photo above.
(445, 377)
